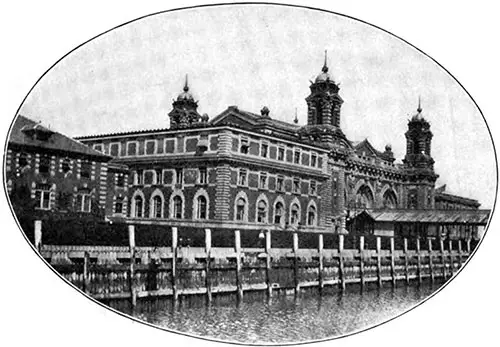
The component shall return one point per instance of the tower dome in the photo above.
(185, 95)
(324, 76)
(418, 116)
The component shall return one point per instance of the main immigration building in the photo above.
(249, 171)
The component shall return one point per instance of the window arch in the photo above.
(177, 207)
(389, 199)
(311, 214)
(364, 197)
(279, 212)
(201, 204)
(295, 213)
(241, 207)
(156, 204)
(137, 208)
(262, 211)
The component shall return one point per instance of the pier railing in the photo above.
(336, 260)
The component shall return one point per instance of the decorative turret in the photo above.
(323, 110)
(418, 142)
(184, 113)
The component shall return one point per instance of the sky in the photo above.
(254, 56)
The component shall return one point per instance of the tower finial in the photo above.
(296, 120)
(419, 109)
(325, 67)
(186, 86)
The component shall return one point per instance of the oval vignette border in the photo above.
(261, 4)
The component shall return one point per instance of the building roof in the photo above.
(477, 217)
(28, 133)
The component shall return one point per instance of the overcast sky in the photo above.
(253, 56)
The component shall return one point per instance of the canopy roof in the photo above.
(476, 217)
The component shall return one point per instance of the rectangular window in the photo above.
(296, 185)
(296, 157)
(313, 187)
(131, 148)
(139, 177)
(158, 176)
(151, 147)
(279, 184)
(42, 198)
(179, 176)
(242, 177)
(86, 168)
(44, 164)
(263, 150)
(83, 202)
(202, 176)
(114, 149)
(120, 180)
(263, 180)
(281, 154)
(119, 206)
(99, 147)
(244, 145)
(22, 161)
(313, 160)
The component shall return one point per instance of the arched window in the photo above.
(138, 206)
(177, 210)
(294, 214)
(311, 215)
(364, 197)
(278, 213)
(240, 209)
(157, 207)
(389, 199)
(261, 212)
(201, 203)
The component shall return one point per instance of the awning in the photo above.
(474, 217)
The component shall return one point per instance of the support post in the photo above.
(459, 253)
(237, 247)
(450, 247)
(468, 247)
(38, 234)
(431, 263)
(443, 258)
(268, 263)
(86, 277)
(341, 262)
(320, 265)
(175, 249)
(419, 262)
(133, 294)
(296, 272)
(393, 268)
(208, 248)
(361, 261)
(379, 262)
(405, 248)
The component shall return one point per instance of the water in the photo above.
(281, 318)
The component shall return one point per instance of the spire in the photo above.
(419, 109)
(186, 86)
(296, 120)
(325, 67)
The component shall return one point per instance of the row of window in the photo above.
(280, 182)
(200, 210)
(264, 153)
(158, 176)
(43, 200)
(45, 160)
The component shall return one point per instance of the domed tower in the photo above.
(418, 163)
(323, 110)
(184, 113)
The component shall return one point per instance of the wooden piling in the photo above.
(341, 262)
(237, 248)
(431, 263)
(208, 248)
(38, 234)
(175, 249)
(393, 268)
(361, 261)
(468, 247)
(379, 262)
(459, 253)
(320, 264)
(450, 247)
(296, 272)
(443, 258)
(133, 293)
(268, 263)
(86, 277)
(131, 236)
(419, 262)
(405, 248)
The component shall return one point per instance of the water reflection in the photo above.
(281, 318)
